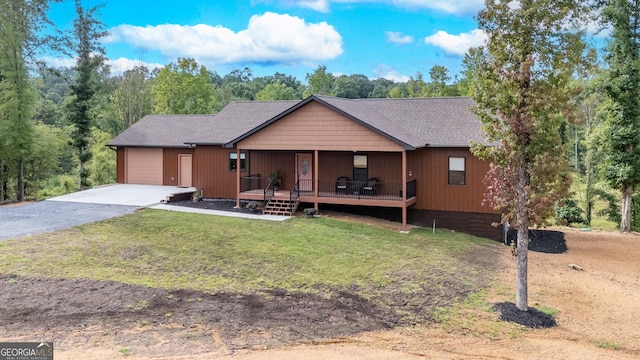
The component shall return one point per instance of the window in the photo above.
(233, 161)
(456, 171)
(360, 170)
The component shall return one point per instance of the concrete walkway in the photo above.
(219, 212)
(151, 196)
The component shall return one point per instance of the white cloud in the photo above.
(457, 44)
(59, 62)
(448, 6)
(388, 72)
(317, 5)
(268, 38)
(118, 66)
(398, 37)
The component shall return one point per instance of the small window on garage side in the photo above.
(457, 171)
(233, 161)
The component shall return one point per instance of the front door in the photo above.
(184, 170)
(304, 172)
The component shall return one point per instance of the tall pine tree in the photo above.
(619, 137)
(87, 31)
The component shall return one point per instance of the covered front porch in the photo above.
(373, 179)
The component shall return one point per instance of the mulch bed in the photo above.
(544, 241)
(531, 318)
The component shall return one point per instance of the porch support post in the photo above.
(316, 179)
(238, 171)
(404, 190)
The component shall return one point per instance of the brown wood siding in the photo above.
(317, 127)
(333, 165)
(266, 162)
(386, 167)
(170, 165)
(211, 173)
(477, 224)
(430, 167)
(120, 162)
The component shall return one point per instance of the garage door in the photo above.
(144, 166)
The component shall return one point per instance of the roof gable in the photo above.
(316, 126)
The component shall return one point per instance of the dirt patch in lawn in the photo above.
(103, 318)
(596, 310)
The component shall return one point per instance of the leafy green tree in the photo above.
(276, 91)
(345, 87)
(319, 82)
(522, 90)
(21, 23)
(439, 86)
(103, 163)
(416, 87)
(365, 86)
(619, 140)
(381, 88)
(87, 31)
(132, 98)
(398, 92)
(184, 88)
(42, 162)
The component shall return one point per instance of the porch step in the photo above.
(277, 206)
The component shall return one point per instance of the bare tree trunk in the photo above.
(627, 194)
(522, 258)
(20, 185)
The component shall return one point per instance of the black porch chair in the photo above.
(370, 187)
(342, 185)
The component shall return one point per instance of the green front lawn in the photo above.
(219, 254)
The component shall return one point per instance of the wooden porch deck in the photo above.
(325, 197)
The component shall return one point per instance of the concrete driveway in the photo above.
(123, 194)
(79, 208)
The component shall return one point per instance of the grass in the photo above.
(191, 251)
(605, 344)
(598, 222)
(125, 351)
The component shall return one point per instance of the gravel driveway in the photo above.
(45, 216)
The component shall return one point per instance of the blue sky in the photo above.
(393, 39)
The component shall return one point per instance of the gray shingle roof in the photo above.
(238, 118)
(162, 131)
(438, 122)
(413, 123)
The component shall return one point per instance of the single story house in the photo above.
(412, 155)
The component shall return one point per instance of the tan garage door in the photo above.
(144, 166)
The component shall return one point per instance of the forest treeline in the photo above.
(55, 122)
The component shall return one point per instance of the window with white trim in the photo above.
(233, 161)
(457, 174)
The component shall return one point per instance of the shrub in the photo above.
(569, 212)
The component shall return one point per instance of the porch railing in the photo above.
(251, 182)
(344, 189)
(361, 190)
(294, 193)
(269, 191)
(412, 189)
